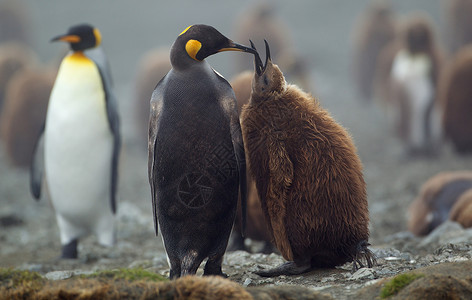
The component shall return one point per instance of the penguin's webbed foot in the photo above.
(287, 268)
(363, 253)
(69, 251)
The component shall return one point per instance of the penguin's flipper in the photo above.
(155, 110)
(113, 120)
(230, 107)
(98, 56)
(238, 145)
(37, 166)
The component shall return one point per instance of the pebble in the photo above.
(363, 273)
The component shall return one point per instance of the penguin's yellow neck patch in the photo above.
(192, 47)
(185, 30)
(78, 57)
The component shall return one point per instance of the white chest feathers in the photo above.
(78, 145)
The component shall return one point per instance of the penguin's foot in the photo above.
(69, 251)
(363, 253)
(287, 268)
(213, 266)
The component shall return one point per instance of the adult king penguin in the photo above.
(196, 154)
(81, 144)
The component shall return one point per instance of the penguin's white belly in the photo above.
(78, 151)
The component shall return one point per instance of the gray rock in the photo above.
(363, 273)
(59, 275)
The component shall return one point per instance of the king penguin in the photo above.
(196, 154)
(80, 144)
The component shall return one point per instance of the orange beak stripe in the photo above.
(70, 38)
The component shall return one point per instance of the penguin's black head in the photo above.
(200, 41)
(81, 37)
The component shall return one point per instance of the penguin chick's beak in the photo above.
(70, 38)
(259, 67)
(232, 46)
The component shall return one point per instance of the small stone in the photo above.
(363, 273)
(247, 282)
(58, 275)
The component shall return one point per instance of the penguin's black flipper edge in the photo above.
(155, 110)
(238, 146)
(113, 121)
(37, 166)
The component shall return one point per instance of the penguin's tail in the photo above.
(189, 263)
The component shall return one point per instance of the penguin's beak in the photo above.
(232, 46)
(70, 38)
(260, 68)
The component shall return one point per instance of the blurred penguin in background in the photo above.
(14, 56)
(152, 67)
(414, 78)
(455, 93)
(24, 112)
(375, 28)
(458, 23)
(81, 144)
(14, 22)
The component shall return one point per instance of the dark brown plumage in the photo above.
(374, 30)
(24, 113)
(308, 175)
(455, 95)
(445, 196)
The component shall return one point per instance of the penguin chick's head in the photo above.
(200, 41)
(81, 37)
(268, 78)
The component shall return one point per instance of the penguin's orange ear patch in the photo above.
(192, 47)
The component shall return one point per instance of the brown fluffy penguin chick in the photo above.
(24, 113)
(152, 67)
(455, 93)
(461, 212)
(437, 202)
(375, 29)
(256, 228)
(308, 175)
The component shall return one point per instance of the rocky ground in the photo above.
(29, 235)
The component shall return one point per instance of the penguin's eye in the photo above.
(192, 47)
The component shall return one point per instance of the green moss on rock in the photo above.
(19, 284)
(397, 283)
